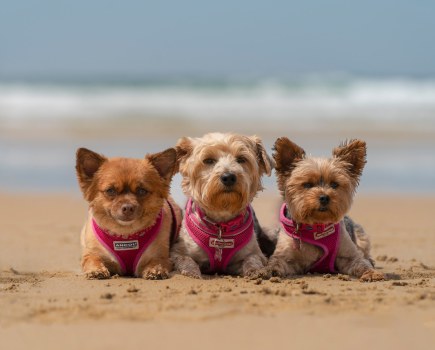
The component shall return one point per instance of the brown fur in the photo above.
(302, 181)
(202, 161)
(286, 155)
(353, 155)
(108, 184)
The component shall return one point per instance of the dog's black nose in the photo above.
(324, 199)
(128, 209)
(228, 179)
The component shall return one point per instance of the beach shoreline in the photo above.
(42, 288)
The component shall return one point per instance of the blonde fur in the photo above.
(202, 161)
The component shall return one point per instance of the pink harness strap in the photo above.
(325, 236)
(219, 240)
(128, 251)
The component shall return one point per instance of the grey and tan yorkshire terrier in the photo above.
(221, 175)
(315, 234)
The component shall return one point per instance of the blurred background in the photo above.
(125, 78)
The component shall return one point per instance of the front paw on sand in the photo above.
(156, 273)
(372, 276)
(99, 274)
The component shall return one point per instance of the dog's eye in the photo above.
(209, 161)
(308, 185)
(241, 160)
(111, 192)
(334, 185)
(141, 191)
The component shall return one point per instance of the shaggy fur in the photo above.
(302, 181)
(202, 162)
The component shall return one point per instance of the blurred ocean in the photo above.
(411, 101)
(395, 115)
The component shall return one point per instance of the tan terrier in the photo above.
(132, 218)
(316, 236)
(221, 176)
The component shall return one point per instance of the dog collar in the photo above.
(127, 251)
(220, 240)
(325, 236)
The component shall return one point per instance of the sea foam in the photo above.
(381, 100)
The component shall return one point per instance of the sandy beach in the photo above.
(45, 302)
(129, 79)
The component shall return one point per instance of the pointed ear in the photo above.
(353, 153)
(184, 149)
(87, 164)
(286, 155)
(266, 163)
(164, 162)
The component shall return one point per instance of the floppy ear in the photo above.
(184, 149)
(87, 164)
(266, 163)
(164, 162)
(353, 153)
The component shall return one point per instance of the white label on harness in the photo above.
(126, 245)
(328, 231)
(221, 243)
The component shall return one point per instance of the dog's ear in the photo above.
(266, 163)
(184, 149)
(353, 153)
(286, 154)
(87, 164)
(164, 162)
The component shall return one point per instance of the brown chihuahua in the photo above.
(132, 218)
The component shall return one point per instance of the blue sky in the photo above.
(232, 38)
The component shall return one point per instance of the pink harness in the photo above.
(128, 251)
(325, 236)
(219, 240)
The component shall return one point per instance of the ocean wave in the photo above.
(381, 100)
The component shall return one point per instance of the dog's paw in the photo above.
(191, 274)
(372, 276)
(263, 273)
(98, 274)
(155, 273)
(277, 271)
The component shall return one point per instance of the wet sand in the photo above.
(46, 303)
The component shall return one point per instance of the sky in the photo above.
(55, 38)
